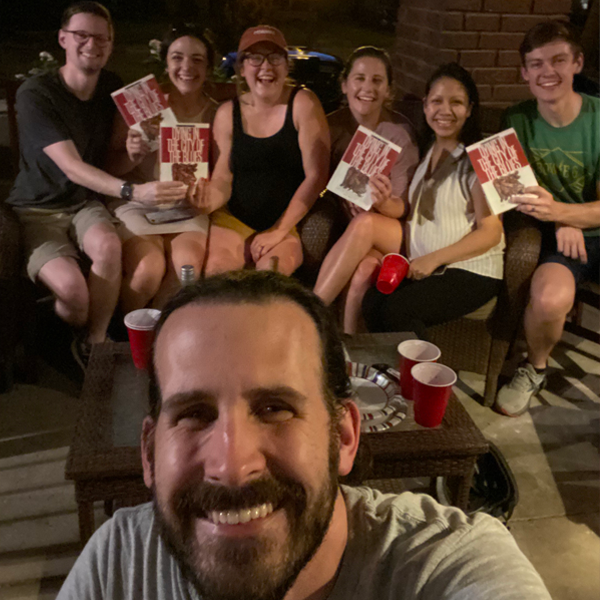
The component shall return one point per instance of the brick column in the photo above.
(481, 35)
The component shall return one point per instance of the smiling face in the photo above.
(242, 458)
(187, 64)
(88, 57)
(549, 71)
(366, 88)
(447, 108)
(267, 80)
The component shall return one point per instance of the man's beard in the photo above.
(254, 568)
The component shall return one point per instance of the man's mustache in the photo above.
(205, 497)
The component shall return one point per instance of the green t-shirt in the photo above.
(565, 160)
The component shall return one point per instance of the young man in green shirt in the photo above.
(560, 133)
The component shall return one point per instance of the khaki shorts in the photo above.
(223, 218)
(50, 234)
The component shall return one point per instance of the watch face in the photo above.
(126, 191)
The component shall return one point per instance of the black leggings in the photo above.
(416, 305)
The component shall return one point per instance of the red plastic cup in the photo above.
(393, 270)
(432, 388)
(140, 327)
(411, 353)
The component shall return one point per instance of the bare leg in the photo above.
(288, 253)
(552, 297)
(225, 251)
(102, 244)
(360, 283)
(366, 231)
(188, 248)
(63, 277)
(143, 271)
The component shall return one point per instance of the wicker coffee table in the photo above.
(409, 450)
(105, 461)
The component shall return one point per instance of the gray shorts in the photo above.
(50, 234)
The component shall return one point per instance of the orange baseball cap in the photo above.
(262, 33)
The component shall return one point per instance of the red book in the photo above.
(184, 153)
(367, 154)
(502, 169)
(144, 107)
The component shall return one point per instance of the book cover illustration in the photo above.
(502, 169)
(144, 107)
(184, 153)
(367, 154)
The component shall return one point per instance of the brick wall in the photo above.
(481, 35)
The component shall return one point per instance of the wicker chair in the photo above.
(319, 230)
(10, 292)
(473, 343)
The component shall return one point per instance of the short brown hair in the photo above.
(89, 8)
(262, 287)
(547, 32)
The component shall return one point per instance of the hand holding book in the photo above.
(137, 147)
(381, 189)
(155, 193)
(143, 107)
(539, 203)
(502, 169)
(367, 156)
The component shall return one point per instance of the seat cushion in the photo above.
(483, 312)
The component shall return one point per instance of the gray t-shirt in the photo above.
(400, 547)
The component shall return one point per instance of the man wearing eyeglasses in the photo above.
(65, 122)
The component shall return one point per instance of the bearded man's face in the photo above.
(243, 457)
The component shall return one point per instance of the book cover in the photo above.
(502, 169)
(184, 153)
(144, 107)
(367, 154)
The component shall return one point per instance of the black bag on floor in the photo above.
(494, 489)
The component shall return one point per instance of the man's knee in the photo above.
(104, 246)
(71, 293)
(550, 306)
(552, 291)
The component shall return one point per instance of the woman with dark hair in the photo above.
(454, 243)
(152, 263)
(367, 82)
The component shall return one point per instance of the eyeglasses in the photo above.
(82, 37)
(274, 58)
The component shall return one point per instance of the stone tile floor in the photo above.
(553, 452)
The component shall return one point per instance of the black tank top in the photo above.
(266, 171)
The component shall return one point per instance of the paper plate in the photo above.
(377, 398)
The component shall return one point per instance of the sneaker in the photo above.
(81, 352)
(514, 397)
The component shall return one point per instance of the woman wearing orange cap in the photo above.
(272, 161)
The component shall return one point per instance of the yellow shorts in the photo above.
(223, 218)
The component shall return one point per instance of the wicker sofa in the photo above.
(478, 344)
(10, 292)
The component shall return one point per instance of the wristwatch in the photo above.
(127, 190)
